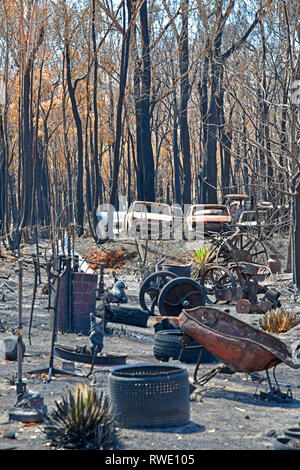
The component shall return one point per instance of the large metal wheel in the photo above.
(242, 247)
(150, 289)
(219, 284)
(180, 293)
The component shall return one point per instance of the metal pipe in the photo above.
(35, 262)
(69, 295)
(54, 325)
(37, 255)
(20, 385)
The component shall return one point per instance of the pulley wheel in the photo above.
(243, 306)
(180, 293)
(220, 283)
(151, 288)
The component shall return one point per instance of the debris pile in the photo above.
(225, 274)
(116, 258)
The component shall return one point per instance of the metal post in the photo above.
(68, 280)
(35, 263)
(37, 255)
(101, 289)
(69, 294)
(53, 234)
(20, 384)
(54, 325)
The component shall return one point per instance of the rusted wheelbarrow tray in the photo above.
(238, 345)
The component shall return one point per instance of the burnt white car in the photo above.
(149, 220)
(208, 217)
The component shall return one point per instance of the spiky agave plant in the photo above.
(81, 421)
(204, 258)
(278, 321)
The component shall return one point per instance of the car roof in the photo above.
(236, 196)
(210, 205)
(147, 203)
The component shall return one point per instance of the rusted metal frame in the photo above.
(184, 341)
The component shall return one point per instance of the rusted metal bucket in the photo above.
(238, 345)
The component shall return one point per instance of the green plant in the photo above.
(278, 321)
(81, 421)
(204, 258)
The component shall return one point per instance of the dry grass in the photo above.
(278, 321)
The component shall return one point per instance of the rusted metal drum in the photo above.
(181, 270)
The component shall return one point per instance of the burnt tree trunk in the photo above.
(138, 119)
(123, 79)
(78, 123)
(27, 160)
(3, 176)
(203, 93)
(297, 239)
(217, 60)
(98, 182)
(146, 144)
(183, 115)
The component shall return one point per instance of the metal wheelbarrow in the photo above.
(239, 346)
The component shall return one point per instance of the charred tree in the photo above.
(98, 182)
(146, 144)
(184, 95)
(78, 123)
(123, 79)
(215, 62)
(138, 118)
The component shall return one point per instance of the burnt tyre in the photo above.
(149, 396)
(128, 315)
(167, 345)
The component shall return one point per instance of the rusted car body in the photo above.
(238, 345)
(240, 198)
(253, 220)
(149, 220)
(237, 204)
(208, 217)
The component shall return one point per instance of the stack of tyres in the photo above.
(167, 346)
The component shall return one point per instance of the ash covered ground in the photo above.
(225, 414)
